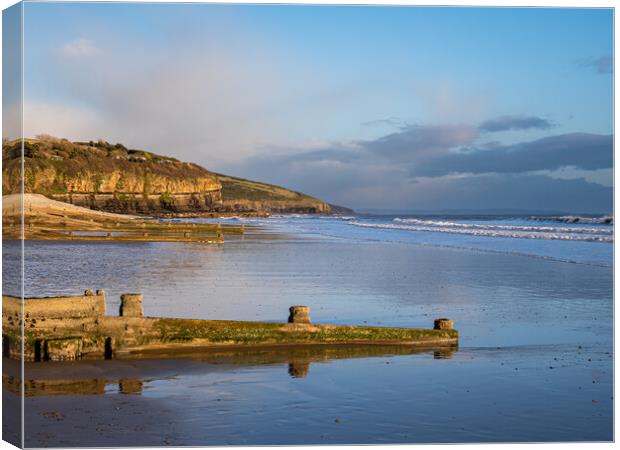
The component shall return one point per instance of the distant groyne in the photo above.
(77, 327)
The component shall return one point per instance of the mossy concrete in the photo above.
(66, 328)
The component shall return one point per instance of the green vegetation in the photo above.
(239, 188)
(234, 332)
(89, 166)
(90, 173)
(240, 192)
(166, 201)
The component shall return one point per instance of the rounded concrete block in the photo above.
(131, 305)
(443, 324)
(299, 314)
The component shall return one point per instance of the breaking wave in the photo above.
(604, 220)
(478, 226)
(565, 234)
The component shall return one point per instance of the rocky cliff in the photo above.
(111, 177)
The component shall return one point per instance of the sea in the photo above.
(531, 296)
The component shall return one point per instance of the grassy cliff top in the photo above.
(55, 167)
(239, 188)
(75, 157)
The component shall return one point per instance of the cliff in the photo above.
(243, 195)
(111, 177)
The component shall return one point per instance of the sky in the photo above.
(402, 108)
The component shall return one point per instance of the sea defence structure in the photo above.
(70, 328)
(33, 216)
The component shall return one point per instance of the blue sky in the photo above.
(395, 107)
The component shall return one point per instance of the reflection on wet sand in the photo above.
(131, 376)
(34, 387)
(298, 369)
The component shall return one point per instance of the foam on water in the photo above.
(606, 220)
(495, 231)
(541, 229)
(542, 237)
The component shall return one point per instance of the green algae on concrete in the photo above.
(67, 328)
(236, 332)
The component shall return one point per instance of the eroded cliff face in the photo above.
(113, 178)
(109, 177)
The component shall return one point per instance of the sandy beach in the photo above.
(535, 341)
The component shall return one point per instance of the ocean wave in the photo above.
(477, 226)
(604, 220)
(490, 233)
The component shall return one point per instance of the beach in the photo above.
(226, 225)
(534, 361)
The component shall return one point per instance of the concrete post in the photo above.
(131, 305)
(443, 324)
(299, 314)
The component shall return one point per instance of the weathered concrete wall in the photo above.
(88, 306)
(68, 328)
(63, 321)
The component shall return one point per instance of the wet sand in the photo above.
(477, 395)
(534, 362)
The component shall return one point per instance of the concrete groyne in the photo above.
(77, 327)
(43, 219)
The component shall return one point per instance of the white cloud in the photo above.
(209, 104)
(79, 47)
